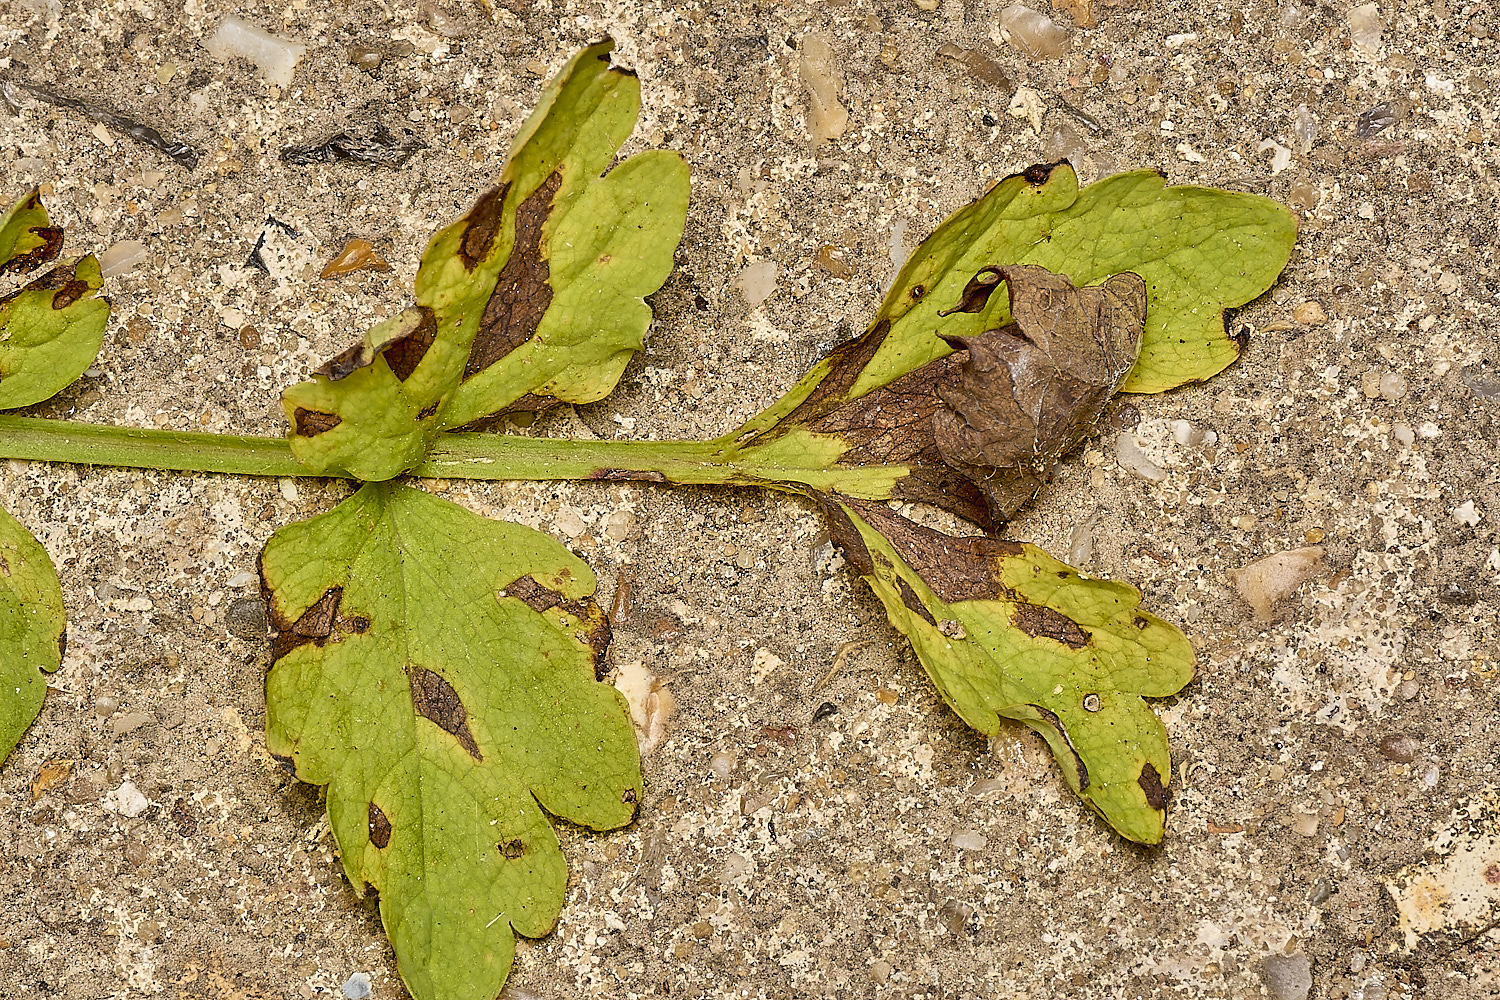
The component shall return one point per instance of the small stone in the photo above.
(106, 705)
(1365, 27)
(1130, 457)
(927, 5)
(1266, 581)
(703, 930)
(1310, 314)
(831, 260)
(1304, 822)
(1465, 514)
(756, 282)
(1314, 535)
(276, 57)
(135, 852)
(890, 56)
(148, 931)
(722, 764)
(1392, 387)
(246, 619)
(954, 915)
(1286, 977)
(1302, 194)
(1377, 119)
(365, 57)
(570, 522)
(357, 986)
(880, 971)
(124, 256)
(128, 723)
(357, 255)
(822, 74)
(619, 525)
(126, 800)
(446, 24)
(1032, 33)
(969, 840)
(1399, 747)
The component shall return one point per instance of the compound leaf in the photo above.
(1006, 631)
(31, 629)
(437, 671)
(52, 328)
(536, 296)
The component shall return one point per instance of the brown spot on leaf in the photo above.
(1039, 173)
(434, 699)
(51, 237)
(957, 569)
(1042, 622)
(592, 621)
(914, 603)
(511, 849)
(69, 293)
(483, 225)
(1051, 719)
(521, 294)
(345, 363)
(976, 294)
(844, 362)
(405, 352)
(843, 533)
(380, 827)
(314, 625)
(1150, 782)
(311, 423)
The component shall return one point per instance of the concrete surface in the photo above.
(820, 863)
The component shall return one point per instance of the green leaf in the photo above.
(535, 297)
(437, 671)
(51, 329)
(27, 237)
(31, 629)
(1006, 631)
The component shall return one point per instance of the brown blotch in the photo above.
(434, 699)
(311, 423)
(977, 292)
(380, 827)
(845, 362)
(914, 603)
(407, 351)
(1038, 173)
(917, 291)
(1056, 723)
(628, 795)
(69, 293)
(428, 410)
(593, 624)
(957, 569)
(51, 237)
(483, 224)
(1042, 622)
(511, 849)
(843, 533)
(521, 294)
(314, 625)
(344, 363)
(1150, 782)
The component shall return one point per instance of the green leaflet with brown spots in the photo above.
(536, 296)
(31, 629)
(437, 671)
(50, 329)
(1200, 251)
(1006, 631)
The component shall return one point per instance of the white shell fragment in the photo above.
(822, 75)
(126, 800)
(122, 257)
(756, 282)
(651, 704)
(1033, 33)
(275, 57)
(1266, 581)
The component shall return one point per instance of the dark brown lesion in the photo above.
(956, 569)
(593, 624)
(311, 423)
(1150, 782)
(51, 240)
(914, 603)
(976, 294)
(434, 699)
(522, 293)
(380, 827)
(845, 363)
(1051, 719)
(512, 849)
(406, 351)
(1042, 622)
(483, 224)
(314, 625)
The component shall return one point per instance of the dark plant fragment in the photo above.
(139, 131)
(379, 146)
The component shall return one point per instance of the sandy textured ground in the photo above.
(824, 863)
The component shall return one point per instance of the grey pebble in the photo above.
(246, 618)
(1287, 977)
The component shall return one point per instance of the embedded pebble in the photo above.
(1404, 435)
(357, 986)
(1377, 119)
(1266, 581)
(619, 525)
(1392, 387)
(954, 915)
(445, 24)
(1130, 457)
(570, 523)
(1310, 313)
(756, 282)
(243, 578)
(832, 260)
(1033, 33)
(126, 800)
(246, 618)
(1287, 977)
(1399, 747)
(105, 706)
(1065, 143)
(1465, 514)
(1189, 436)
(128, 723)
(276, 57)
(122, 257)
(365, 57)
(722, 764)
(969, 840)
(980, 66)
(880, 970)
(927, 5)
(357, 255)
(1305, 125)
(1302, 194)
(135, 852)
(1281, 157)
(822, 75)
(1304, 822)
(1081, 544)
(1365, 27)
